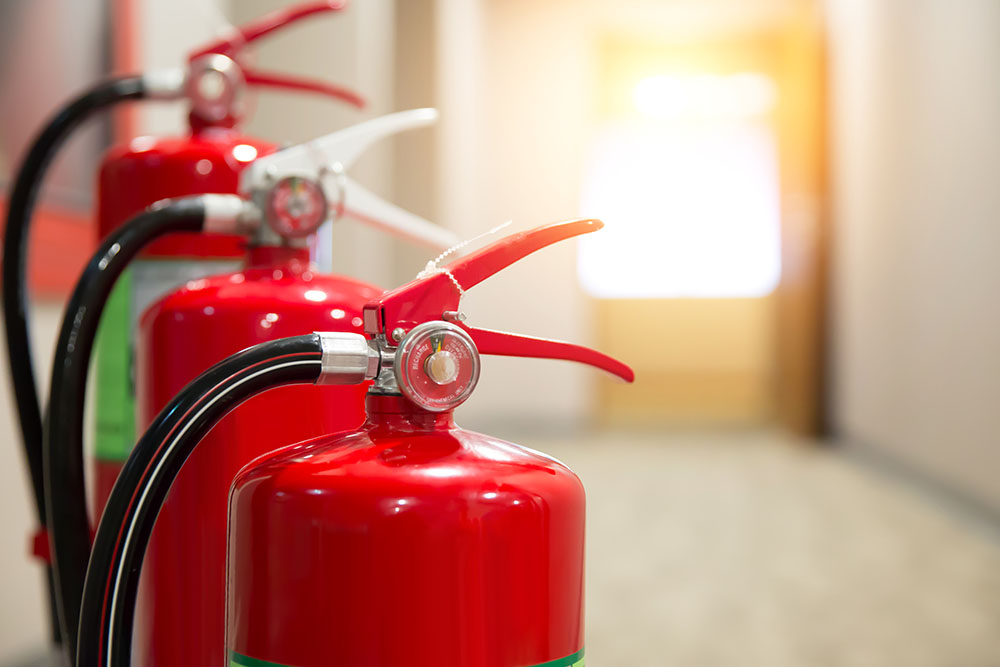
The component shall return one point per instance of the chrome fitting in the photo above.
(348, 358)
(385, 383)
(165, 84)
(229, 214)
(215, 86)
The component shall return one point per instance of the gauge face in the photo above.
(296, 207)
(437, 366)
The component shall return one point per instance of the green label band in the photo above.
(115, 393)
(575, 660)
(145, 282)
(240, 660)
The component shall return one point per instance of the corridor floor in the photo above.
(737, 550)
(753, 550)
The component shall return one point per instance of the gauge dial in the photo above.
(437, 366)
(296, 207)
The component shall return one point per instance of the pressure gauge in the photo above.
(437, 366)
(296, 207)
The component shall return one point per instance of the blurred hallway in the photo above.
(725, 549)
(714, 539)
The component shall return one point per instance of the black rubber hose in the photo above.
(15, 255)
(105, 632)
(15, 258)
(65, 491)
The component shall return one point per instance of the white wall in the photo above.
(33, 81)
(31, 87)
(916, 153)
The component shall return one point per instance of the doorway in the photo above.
(708, 154)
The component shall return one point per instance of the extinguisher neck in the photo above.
(199, 124)
(396, 413)
(279, 257)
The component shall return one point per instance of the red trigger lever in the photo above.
(254, 30)
(432, 296)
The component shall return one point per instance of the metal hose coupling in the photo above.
(229, 214)
(348, 358)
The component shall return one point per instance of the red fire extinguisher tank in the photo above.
(148, 169)
(411, 541)
(408, 542)
(278, 294)
(132, 177)
(182, 593)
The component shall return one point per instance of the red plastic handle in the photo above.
(505, 344)
(429, 298)
(258, 78)
(250, 32)
(267, 24)
(480, 265)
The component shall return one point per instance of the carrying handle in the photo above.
(264, 25)
(476, 267)
(503, 344)
(231, 46)
(436, 295)
(342, 147)
(257, 77)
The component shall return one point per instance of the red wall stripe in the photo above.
(61, 242)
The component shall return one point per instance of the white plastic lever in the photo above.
(365, 206)
(341, 147)
(338, 150)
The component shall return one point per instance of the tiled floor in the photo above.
(738, 550)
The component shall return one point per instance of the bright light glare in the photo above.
(315, 295)
(704, 95)
(691, 211)
(244, 153)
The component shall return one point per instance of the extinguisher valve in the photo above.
(419, 346)
(229, 214)
(299, 188)
(438, 354)
(218, 73)
(215, 85)
(436, 365)
(286, 196)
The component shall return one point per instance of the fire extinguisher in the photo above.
(146, 170)
(278, 293)
(132, 177)
(406, 541)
